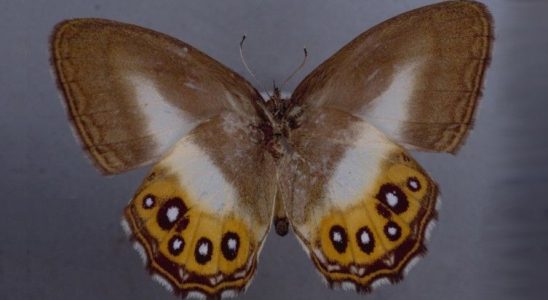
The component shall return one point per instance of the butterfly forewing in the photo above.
(133, 92)
(417, 76)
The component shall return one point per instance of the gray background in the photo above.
(59, 220)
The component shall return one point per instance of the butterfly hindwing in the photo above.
(359, 203)
(204, 210)
(417, 76)
(132, 92)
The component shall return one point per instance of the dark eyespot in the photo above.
(203, 251)
(365, 240)
(149, 201)
(176, 245)
(413, 184)
(170, 213)
(338, 237)
(393, 197)
(392, 231)
(230, 244)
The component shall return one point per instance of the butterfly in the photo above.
(330, 162)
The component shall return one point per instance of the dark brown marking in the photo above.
(392, 226)
(149, 201)
(151, 176)
(230, 244)
(383, 211)
(183, 224)
(167, 266)
(176, 245)
(365, 246)
(338, 237)
(203, 258)
(162, 218)
(389, 191)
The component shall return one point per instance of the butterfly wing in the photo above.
(360, 205)
(201, 215)
(132, 92)
(417, 76)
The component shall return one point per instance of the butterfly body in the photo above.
(275, 127)
(330, 162)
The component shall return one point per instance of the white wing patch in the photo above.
(201, 177)
(166, 123)
(353, 172)
(388, 110)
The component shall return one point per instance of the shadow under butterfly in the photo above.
(332, 159)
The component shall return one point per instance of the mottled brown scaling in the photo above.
(94, 59)
(454, 39)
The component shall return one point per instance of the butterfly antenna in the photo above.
(247, 67)
(297, 69)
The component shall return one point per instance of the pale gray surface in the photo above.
(60, 234)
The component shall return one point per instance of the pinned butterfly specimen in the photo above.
(332, 159)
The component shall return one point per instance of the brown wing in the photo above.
(133, 92)
(417, 76)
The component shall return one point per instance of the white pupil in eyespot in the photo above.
(392, 199)
(392, 230)
(177, 244)
(337, 237)
(365, 239)
(149, 202)
(172, 213)
(204, 249)
(232, 243)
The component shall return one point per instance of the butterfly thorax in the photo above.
(276, 128)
